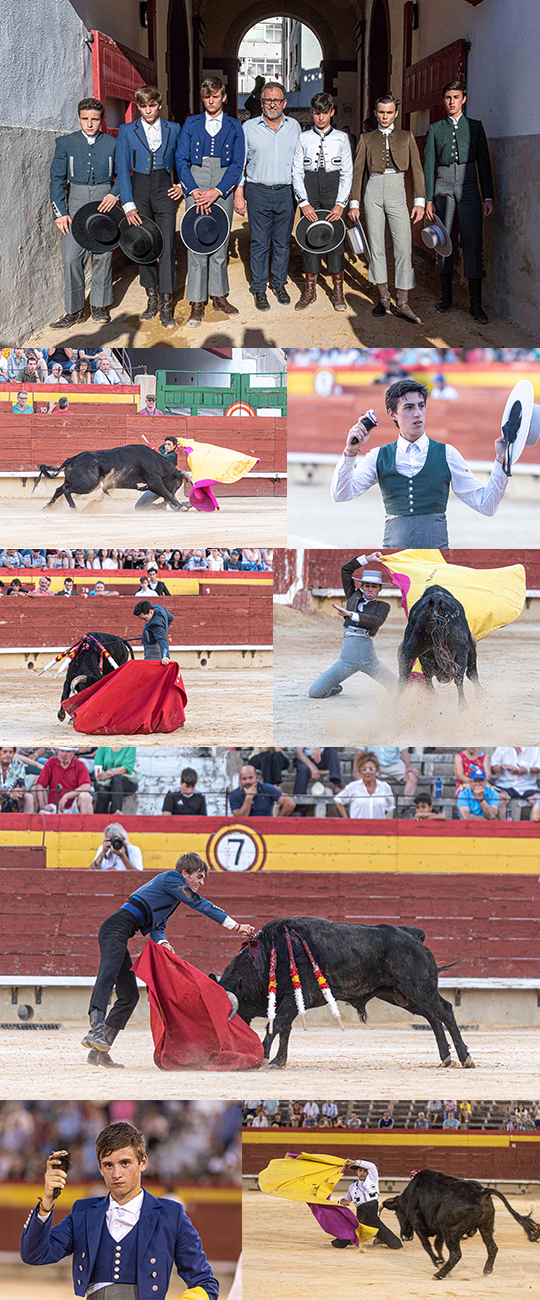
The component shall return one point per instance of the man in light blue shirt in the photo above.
(269, 199)
(478, 802)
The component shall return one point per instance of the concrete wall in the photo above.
(119, 21)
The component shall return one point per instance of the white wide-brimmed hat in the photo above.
(435, 236)
(520, 424)
(358, 241)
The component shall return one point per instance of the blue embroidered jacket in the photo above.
(134, 155)
(228, 146)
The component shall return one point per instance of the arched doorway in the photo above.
(379, 52)
(178, 61)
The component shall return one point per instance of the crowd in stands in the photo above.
(59, 366)
(187, 1141)
(147, 561)
(421, 357)
(478, 786)
(447, 1115)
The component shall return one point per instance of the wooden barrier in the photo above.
(471, 424)
(488, 1155)
(236, 618)
(322, 569)
(84, 397)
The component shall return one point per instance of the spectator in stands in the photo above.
(450, 1121)
(101, 590)
(114, 776)
(271, 763)
(277, 1120)
(215, 560)
(443, 390)
(15, 363)
(61, 405)
(311, 1112)
(421, 1120)
(354, 1120)
(520, 1112)
(434, 1110)
(107, 559)
(41, 357)
(478, 801)
(2, 589)
(34, 559)
(13, 794)
(260, 1120)
(22, 405)
(471, 761)
(161, 559)
(11, 559)
(176, 562)
(92, 355)
(527, 1125)
(233, 561)
(270, 1107)
(449, 1105)
(116, 853)
(59, 559)
(392, 373)
(197, 561)
(65, 779)
(69, 588)
(79, 560)
(424, 810)
(515, 774)
(323, 1123)
(251, 560)
(368, 796)
(330, 1109)
(185, 802)
(105, 374)
(3, 369)
(465, 1112)
(16, 588)
(295, 1114)
(386, 1120)
(255, 798)
(43, 588)
(30, 373)
(81, 374)
(143, 588)
(56, 374)
(155, 586)
(396, 762)
(65, 357)
(536, 1115)
(251, 1108)
(150, 406)
(311, 761)
(339, 1122)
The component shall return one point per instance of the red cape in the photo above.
(189, 1017)
(137, 699)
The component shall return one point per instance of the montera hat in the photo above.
(435, 236)
(205, 232)
(97, 231)
(143, 243)
(520, 425)
(358, 241)
(320, 236)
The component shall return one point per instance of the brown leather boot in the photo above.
(309, 295)
(385, 302)
(197, 313)
(221, 304)
(403, 307)
(338, 301)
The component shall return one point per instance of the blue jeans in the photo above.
(329, 761)
(357, 656)
(271, 218)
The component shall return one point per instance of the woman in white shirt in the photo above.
(215, 560)
(367, 795)
(116, 853)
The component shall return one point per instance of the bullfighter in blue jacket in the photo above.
(83, 171)
(145, 158)
(157, 621)
(209, 163)
(124, 1245)
(147, 910)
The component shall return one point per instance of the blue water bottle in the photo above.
(438, 788)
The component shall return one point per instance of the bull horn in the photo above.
(76, 680)
(234, 1004)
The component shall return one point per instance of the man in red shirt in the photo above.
(69, 773)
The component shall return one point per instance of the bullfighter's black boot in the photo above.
(102, 1058)
(152, 306)
(96, 1034)
(445, 300)
(475, 297)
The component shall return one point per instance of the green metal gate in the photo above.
(183, 388)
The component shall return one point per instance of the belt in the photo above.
(261, 186)
(130, 907)
(355, 631)
(115, 1291)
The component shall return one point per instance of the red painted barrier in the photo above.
(516, 1160)
(234, 618)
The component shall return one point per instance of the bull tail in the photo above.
(457, 962)
(129, 647)
(529, 1225)
(48, 471)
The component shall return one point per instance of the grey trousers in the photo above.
(385, 199)
(207, 276)
(456, 190)
(426, 531)
(357, 656)
(75, 258)
(116, 1291)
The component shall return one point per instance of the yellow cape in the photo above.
(491, 598)
(302, 1178)
(216, 464)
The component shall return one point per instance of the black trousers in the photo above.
(152, 200)
(115, 969)
(456, 191)
(112, 795)
(368, 1213)
(322, 188)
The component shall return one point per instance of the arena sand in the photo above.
(287, 1256)
(505, 712)
(240, 521)
(224, 706)
(362, 1062)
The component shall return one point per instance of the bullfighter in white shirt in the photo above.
(363, 1196)
(322, 177)
(415, 474)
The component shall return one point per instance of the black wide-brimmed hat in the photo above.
(97, 231)
(142, 243)
(205, 232)
(320, 236)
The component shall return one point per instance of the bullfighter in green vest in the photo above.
(414, 474)
(456, 159)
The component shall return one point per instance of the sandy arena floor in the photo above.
(305, 644)
(224, 706)
(240, 521)
(362, 1062)
(287, 1255)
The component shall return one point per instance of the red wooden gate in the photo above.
(114, 82)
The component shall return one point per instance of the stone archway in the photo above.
(380, 52)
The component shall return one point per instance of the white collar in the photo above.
(455, 120)
(219, 119)
(404, 444)
(385, 130)
(323, 134)
(152, 126)
(132, 1207)
(90, 138)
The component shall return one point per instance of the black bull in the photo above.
(359, 962)
(135, 466)
(437, 1205)
(438, 634)
(89, 664)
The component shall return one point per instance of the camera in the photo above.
(117, 844)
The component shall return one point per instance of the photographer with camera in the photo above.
(116, 853)
(13, 794)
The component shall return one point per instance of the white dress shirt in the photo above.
(527, 758)
(213, 125)
(152, 132)
(366, 1189)
(337, 158)
(90, 139)
(367, 805)
(353, 476)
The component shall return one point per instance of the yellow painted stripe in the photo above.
(26, 1194)
(378, 1139)
(343, 853)
(301, 381)
(108, 398)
